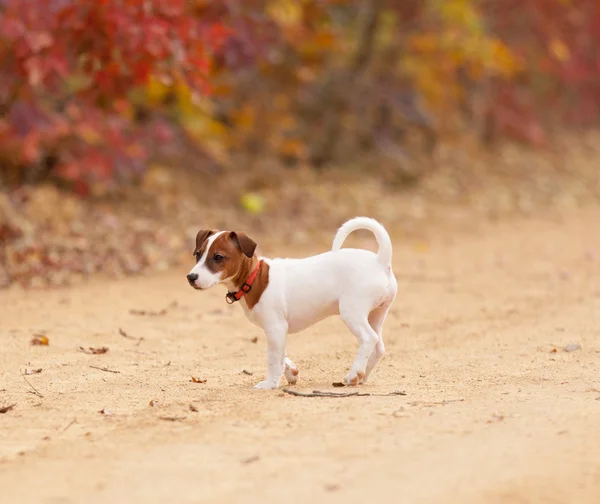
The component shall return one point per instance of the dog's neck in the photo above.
(259, 284)
(247, 266)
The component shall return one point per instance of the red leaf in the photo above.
(35, 70)
(31, 147)
(38, 41)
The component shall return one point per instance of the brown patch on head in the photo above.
(246, 244)
(201, 237)
(226, 256)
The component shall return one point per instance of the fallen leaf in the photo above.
(39, 339)
(94, 351)
(7, 408)
(152, 403)
(197, 380)
(32, 371)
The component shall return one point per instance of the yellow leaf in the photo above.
(253, 203)
(285, 12)
(245, 117)
(156, 90)
(89, 134)
(39, 339)
(559, 50)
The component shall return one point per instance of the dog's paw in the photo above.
(291, 374)
(266, 385)
(354, 378)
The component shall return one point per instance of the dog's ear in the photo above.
(246, 244)
(202, 235)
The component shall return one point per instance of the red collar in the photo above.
(232, 297)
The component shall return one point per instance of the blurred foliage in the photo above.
(90, 89)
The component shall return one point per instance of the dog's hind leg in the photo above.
(357, 321)
(290, 371)
(376, 320)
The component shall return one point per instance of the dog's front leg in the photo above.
(276, 339)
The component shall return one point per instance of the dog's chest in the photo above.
(252, 315)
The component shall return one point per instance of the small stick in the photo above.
(318, 393)
(105, 369)
(125, 335)
(34, 390)
(128, 336)
(434, 403)
(69, 424)
(172, 418)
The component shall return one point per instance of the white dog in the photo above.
(288, 295)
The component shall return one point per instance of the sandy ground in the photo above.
(495, 410)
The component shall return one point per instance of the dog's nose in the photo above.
(192, 277)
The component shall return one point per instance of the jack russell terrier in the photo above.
(285, 296)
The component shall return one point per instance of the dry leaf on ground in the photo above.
(7, 408)
(32, 371)
(94, 351)
(40, 339)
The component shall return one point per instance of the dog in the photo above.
(285, 296)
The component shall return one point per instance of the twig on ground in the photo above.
(153, 313)
(128, 336)
(435, 403)
(33, 389)
(69, 424)
(173, 418)
(251, 460)
(105, 369)
(318, 393)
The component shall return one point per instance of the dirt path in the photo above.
(491, 413)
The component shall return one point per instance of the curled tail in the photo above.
(381, 235)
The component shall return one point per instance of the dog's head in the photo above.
(220, 256)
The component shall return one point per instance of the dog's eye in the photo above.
(218, 258)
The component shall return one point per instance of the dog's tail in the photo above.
(381, 235)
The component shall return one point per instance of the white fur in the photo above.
(206, 278)
(357, 284)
